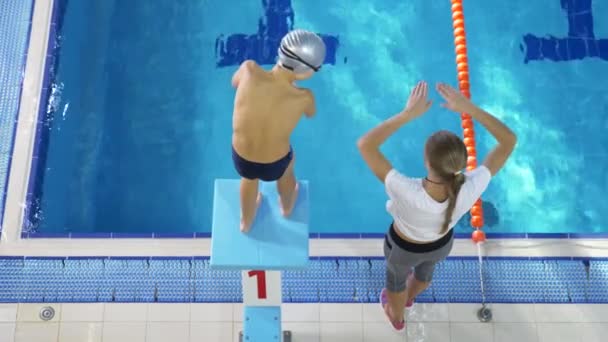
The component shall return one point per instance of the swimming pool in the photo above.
(140, 117)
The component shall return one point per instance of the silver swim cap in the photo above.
(301, 51)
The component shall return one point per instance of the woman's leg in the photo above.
(396, 277)
(396, 305)
(416, 286)
(421, 279)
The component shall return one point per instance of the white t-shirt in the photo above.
(417, 215)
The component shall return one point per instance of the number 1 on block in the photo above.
(262, 288)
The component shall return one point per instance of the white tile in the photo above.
(169, 312)
(36, 332)
(92, 312)
(237, 312)
(341, 312)
(426, 312)
(124, 331)
(558, 313)
(372, 312)
(8, 312)
(168, 331)
(237, 327)
(31, 312)
(520, 332)
(80, 332)
(560, 332)
(594, 313)
(592, 332)
(305, 312)
(7, 331)
(464, 313)
(428, 332)
(125, 312)
(513, 313)
(303, 332)
(211, 332)
(471, 332)
(341, 332)
(211, 312)
(375, 331)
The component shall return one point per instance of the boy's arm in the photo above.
(310, 108)
(236, 78)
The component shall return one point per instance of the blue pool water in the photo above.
(140, 119)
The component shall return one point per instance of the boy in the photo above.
(267, 108)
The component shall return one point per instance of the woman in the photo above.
(424, 211)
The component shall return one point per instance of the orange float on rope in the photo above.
(461, 58)
(476, 210)
(462, 66)
(479, 236)
(463, 75)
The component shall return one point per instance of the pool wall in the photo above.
(44, 121)
(15, 27)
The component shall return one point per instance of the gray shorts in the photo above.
(400, 262)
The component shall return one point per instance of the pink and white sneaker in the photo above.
(397, 326)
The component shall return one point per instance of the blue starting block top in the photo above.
(273, 242)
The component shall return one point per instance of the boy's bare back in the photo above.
(267, 109)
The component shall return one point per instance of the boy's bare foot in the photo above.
(246, 224)
(289, 203)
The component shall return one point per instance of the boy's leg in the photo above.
(288, 189)
(250, 201)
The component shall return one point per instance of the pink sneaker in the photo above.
(399, 326)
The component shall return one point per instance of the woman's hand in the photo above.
(418, 103)
(454, 100)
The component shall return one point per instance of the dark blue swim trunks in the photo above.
(267, 172)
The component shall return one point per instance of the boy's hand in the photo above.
(455, 101)
(418, 103)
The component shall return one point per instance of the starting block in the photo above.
(273, 243)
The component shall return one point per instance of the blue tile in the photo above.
(90, 235)
(589, 235)
(276, 21)
(506, 235)
(37, 235)
(174, 235)
(547, 235)
(373, 235)
(339, 235)
(132, 235)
